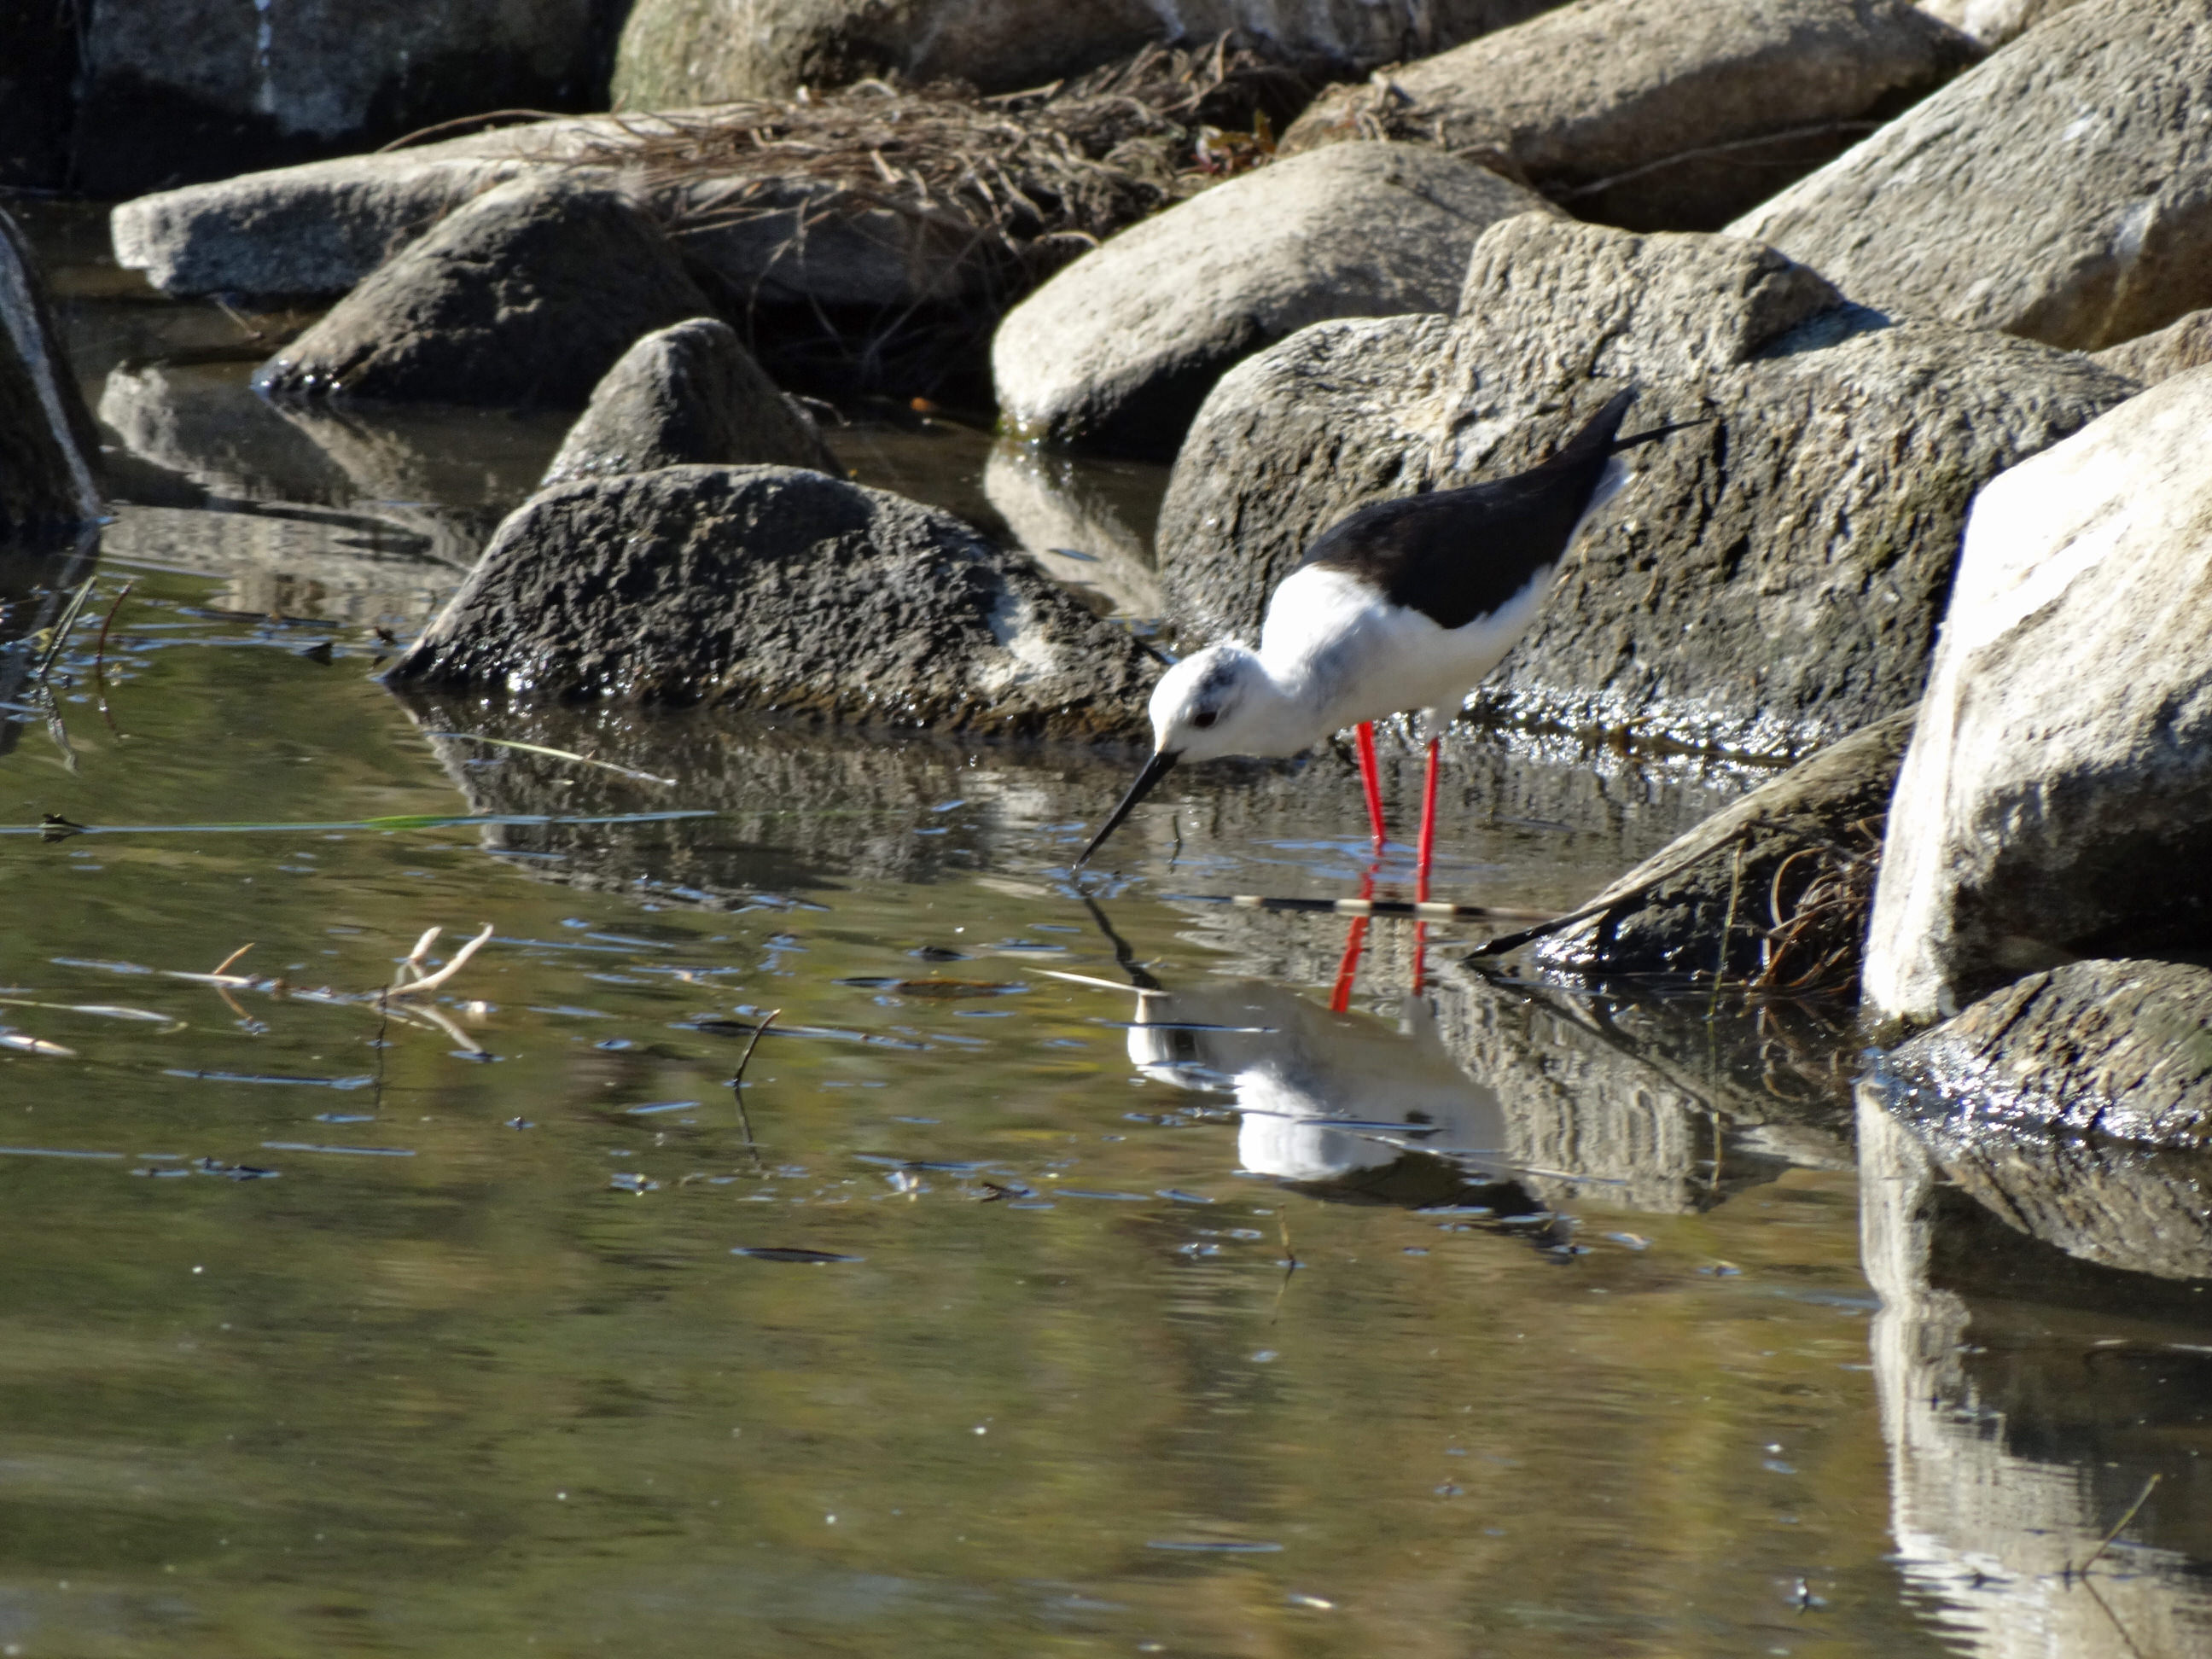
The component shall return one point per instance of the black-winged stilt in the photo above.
(1403, 604)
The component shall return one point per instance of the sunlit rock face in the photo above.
(2006, 1474)
(2056, 191)
(2056, 801)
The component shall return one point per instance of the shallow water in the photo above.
(1594, 1325)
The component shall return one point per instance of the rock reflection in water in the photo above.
(1087, 524)
(334, 515)
(2027, 1399)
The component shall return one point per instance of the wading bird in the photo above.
(1403, 604)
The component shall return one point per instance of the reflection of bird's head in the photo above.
(1202, 706)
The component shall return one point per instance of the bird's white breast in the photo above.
(1348, 654)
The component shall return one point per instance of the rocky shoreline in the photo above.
(1933, 283)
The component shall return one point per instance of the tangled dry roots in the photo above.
(1036, 176)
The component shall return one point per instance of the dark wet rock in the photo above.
(526, 297)
(2117, 1048)
(2062, 190)
(1675, 117)
(691, 393)
(2150, 358)
(1785, 875)
(769, 587)
(1770, 582)
(2076, 1105)
(693, 52)
(1117, 351)
(172, 90)
(2056, 801)
(46, 442)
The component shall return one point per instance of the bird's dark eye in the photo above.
(1204, 718)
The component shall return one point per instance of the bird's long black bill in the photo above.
(1155, 768)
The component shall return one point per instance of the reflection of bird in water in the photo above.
(1334, 1101)
(1403, 604)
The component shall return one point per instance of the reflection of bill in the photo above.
(1322, 1096)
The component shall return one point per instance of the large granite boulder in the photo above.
(1773, 579)
(695, 51)
(770, 587)
(2045, 1099)
(173, 90)
(2056, 801)
(2062, 190)
(2173, 350)
(689, 393)
(1675, 117)
(526, 297)
(1118, 351)
(46, 442)
(1772, 889)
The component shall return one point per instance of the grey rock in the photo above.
(691, 52)
(319, 229)
(1675, 117)
(2043, 1098)
(2062, 190)
(2177, 347)
(1994, 23)
(1784, 877)
(2056, 801)
(688, 393)
(773, 589)
(47, 439)
(1770, 582)
(526, 297)
(1118, 350)
(188, 90)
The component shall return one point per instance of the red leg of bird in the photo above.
(1355, 940)
(1428, 829)
(1427, 853)
(1372, 781)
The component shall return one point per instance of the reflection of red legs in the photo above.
(1422, 860)
(1355, 940)
(1372, 780)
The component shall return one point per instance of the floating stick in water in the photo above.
(557, 754)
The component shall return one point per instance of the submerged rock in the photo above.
(773, 588)
(2062, 190)
(2043, 1098)
(1772, 580)
(2177, 347)
(689, 51)
(684, 394)
(2056, 801)
(1776, 886)
(1118, 351)
(526, 297)
(47, 439)
(1674, 117)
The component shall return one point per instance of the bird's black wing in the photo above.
(1455, 555)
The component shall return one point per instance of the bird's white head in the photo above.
(1212, 703)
